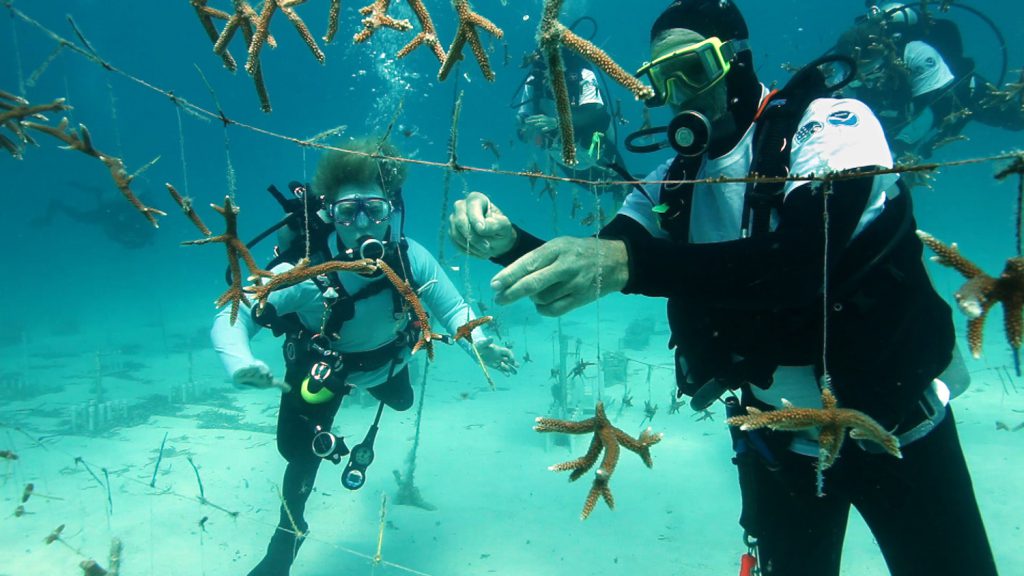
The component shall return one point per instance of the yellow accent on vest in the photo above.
(324, 395)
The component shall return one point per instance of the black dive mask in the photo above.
(689, 134)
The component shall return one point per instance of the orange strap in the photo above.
(747, 565)
(764, 104)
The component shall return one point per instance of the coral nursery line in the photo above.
(552, 33)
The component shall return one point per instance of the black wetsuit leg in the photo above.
(296, 425)
(921, 510)
(396, 393)
(799, 534)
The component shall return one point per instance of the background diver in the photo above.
(118, 220)
(914, 74)
(595, 125)
(348, 331)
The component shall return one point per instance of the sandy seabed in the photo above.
(499, 510)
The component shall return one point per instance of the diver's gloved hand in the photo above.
(495, 356)
(564, 274)
(257, 375)
(479, 228)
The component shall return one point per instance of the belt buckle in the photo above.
(933, 411)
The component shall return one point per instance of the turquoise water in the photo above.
(102, 309)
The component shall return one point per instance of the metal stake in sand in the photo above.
(159, 457)
(380, 531)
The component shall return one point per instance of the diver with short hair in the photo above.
(343, 331)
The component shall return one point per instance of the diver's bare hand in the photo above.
(541, 122)
(495, 356)
(564, 274)
(479, 228)
(257, 375)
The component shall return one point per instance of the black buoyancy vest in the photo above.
(880, 281)
(343, 308)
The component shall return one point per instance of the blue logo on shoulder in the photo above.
(806, 131)
(843, 118)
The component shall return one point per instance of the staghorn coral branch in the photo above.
(15, 109)
(465, 332)
(301, 272)
(639, 446)
(469, 21)
(1017, 167)
(602, 60)
(1002, 98)
(428, 34)
(427, 337)
(949, 256)
(981, 291)
(831, 421)
(236, 250)
(551, 36)
(206, 16)
(376, 16)
(81, 141)
(556, 76)
(188, 210)
(332, 21)
(263, 31)
(245, 18)
(607, 438)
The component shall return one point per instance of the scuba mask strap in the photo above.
(733, 47)
(398, 202)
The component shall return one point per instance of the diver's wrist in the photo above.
(508, 246)
(616, 273)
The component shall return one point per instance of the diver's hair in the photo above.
(337, 168)
(858, 38)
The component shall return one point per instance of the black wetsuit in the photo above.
(297, 423)
(890, 335)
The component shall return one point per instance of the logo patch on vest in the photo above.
(806, 131)
(843, 118)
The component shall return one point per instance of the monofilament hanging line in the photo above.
(1020, 209)
(305, 215)
(229, 167)
(181, 151)
(598, 281)
(826, 376)
(1017, 167)
(17, 57)
(453, 140)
